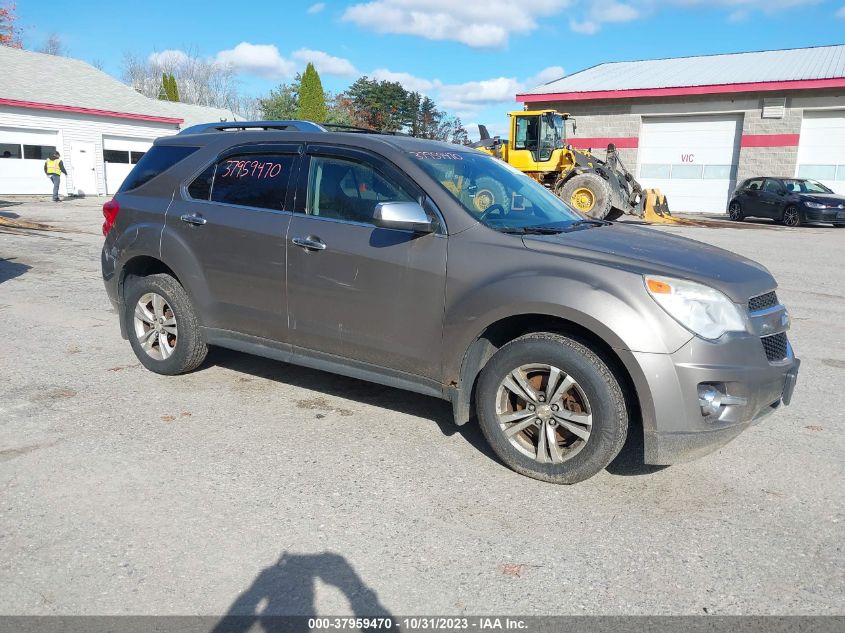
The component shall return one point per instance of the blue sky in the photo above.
(471, 56)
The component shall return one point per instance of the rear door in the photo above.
(360, 292)
(232, 217)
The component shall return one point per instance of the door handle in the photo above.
(198, 220)
(310, 243)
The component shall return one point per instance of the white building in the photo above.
(100, 126)
(695, 126)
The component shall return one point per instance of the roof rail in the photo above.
(340, 127)
(223, 126)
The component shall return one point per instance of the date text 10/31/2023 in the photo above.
(251, 169)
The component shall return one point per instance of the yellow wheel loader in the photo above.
(601, 189)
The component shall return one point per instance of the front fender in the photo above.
(610, 303)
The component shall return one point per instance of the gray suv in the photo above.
(441, 270)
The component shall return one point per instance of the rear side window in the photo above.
(253, 180)
(158, 159)
(200, 188)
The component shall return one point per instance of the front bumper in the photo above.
(835, 216)
(675, 429)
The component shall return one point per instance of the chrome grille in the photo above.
(775, 346)
(762, 302)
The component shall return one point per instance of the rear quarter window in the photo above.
(158, 159)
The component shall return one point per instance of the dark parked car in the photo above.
(790, 201)
(365, 255)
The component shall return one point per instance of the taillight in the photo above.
(110, 211)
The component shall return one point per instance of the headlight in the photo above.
(816, 205)
(701, 309)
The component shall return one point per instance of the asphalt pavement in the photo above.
(254, 485)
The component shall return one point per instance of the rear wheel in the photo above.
(163, 326)
(791, 216)
(735, 211)
(551, 408)
(588, 193)
(489, 192)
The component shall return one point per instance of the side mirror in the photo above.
(407, 216)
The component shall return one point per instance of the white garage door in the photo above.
(821, 150)
(120, 155)
(692, 159)
(22, 156)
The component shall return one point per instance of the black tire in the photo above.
(614, 214)
(597, 186)
(735, 211)
(595, 380)
(489, 191)
(189, 348)
(791, 216)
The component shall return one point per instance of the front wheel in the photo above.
(791, 216)
(551, 408)
(163, 326)
(588, 193)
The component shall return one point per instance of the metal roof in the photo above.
(36, 78)
(796, 64)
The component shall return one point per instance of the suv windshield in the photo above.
(805, 186)
(496, 194)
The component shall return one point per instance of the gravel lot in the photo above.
(250, 482)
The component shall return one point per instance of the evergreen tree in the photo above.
(162, 93)
(282, 103)
(173, 93)
(312, 98)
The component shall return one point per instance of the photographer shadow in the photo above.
(281, 598)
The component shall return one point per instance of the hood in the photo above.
(830, 199)
(647, 251)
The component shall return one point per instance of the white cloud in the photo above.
(485, 24)
(316, 8)
(545, 76)
(263, 60)
(408, 81)
(841, 13)
(168, 58)
(467, 99)
(325, 63)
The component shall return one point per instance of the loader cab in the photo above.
(536, 135)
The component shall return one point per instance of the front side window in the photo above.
(251, 180)
(772, 186)
(754, 185)
(494, 193)
(347, 190)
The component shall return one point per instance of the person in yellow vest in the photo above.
(54, 168)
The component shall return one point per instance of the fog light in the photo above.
(710, 400)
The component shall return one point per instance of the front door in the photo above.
(357, 291)
(771, 199)
(83, 168)
(232, 217)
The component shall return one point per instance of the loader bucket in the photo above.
(656, 208)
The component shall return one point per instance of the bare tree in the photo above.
(53, 46)
(201, 81)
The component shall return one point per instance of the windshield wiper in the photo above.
(532, 230)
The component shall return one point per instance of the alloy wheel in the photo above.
(734, 211)
(544, 413)
(791, 217)
(155, 326)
